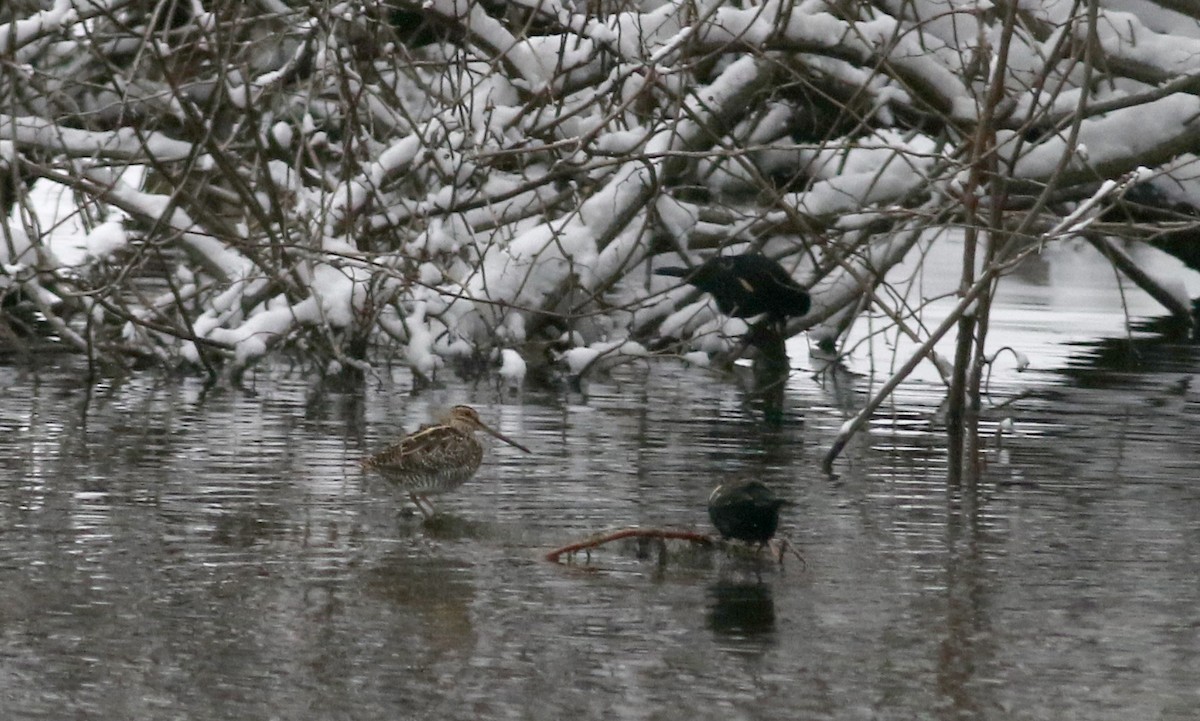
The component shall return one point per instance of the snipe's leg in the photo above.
(416, 499)
(429, 505)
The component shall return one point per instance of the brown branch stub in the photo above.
(665, 534)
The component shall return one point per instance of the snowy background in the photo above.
(484, 187)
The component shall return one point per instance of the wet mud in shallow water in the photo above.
(167, 553)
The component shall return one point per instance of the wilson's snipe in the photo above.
(437, 458)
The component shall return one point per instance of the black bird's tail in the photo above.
(673, 271)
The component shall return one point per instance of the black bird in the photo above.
(745, 511)
(746, 285)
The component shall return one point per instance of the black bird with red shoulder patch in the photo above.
(746, 285)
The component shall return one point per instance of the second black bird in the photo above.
(746, 285)
(745, 511)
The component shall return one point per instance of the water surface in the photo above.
(171, 553)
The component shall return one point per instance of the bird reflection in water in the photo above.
(741, 609)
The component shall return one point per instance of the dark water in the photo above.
(170, 554)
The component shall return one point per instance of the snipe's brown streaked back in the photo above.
(436, 458)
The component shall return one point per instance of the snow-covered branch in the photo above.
(452, 182)
(62, 15)
(125, 144)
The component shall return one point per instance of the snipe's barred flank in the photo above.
(436, 458)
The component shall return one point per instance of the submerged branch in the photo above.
(634, 532)
(849, 428)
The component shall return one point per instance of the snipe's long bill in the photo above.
(437, 458)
